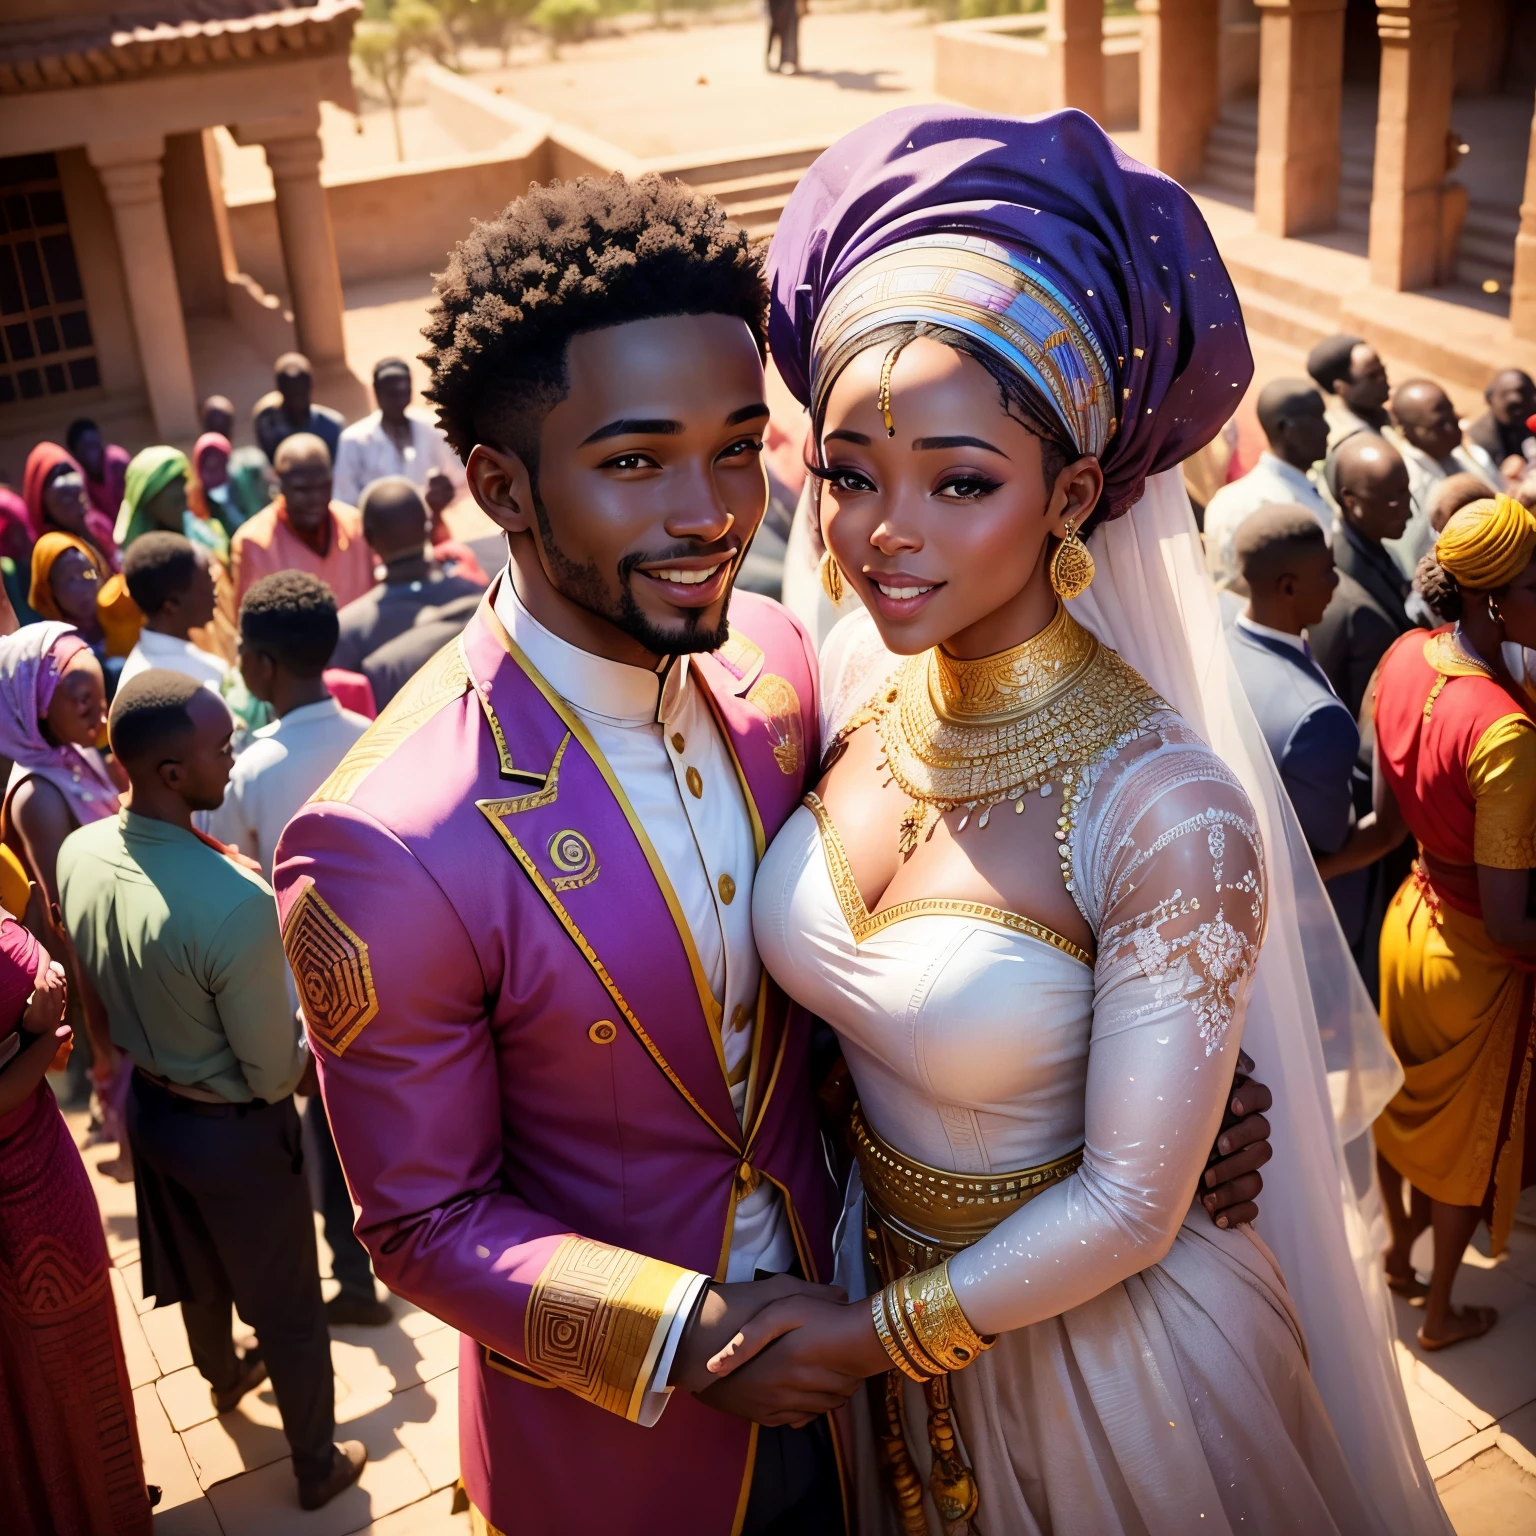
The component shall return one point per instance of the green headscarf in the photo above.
(149, 472)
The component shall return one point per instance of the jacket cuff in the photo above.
(597, 1318)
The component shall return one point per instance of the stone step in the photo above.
(1295, 325)
(796, 157)
(1475, 271)
(746, 188)
(752, 212)
(1229, 181)
(1310, 287)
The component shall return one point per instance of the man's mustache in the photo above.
(728, 548)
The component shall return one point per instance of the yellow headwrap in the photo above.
(1487, 543)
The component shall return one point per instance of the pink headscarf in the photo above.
(31, 663)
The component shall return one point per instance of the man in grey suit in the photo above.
(1289, 571)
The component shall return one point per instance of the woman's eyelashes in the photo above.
(966, 487)
(842, 477)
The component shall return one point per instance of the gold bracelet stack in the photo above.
(919, 1321)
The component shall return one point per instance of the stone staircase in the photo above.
(1487, 246)
(753, 189)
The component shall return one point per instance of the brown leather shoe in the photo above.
(350, 1458)
(253, 1371)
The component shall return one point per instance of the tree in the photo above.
(490, 23)
(565, 21)
(385, 51)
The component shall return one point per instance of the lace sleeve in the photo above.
(854, 661)
(1171, 876)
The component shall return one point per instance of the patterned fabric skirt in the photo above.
(69, 1445)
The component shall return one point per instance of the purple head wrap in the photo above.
(1092, 276)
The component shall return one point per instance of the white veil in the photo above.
(1310, 1025)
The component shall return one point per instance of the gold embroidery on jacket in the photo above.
(330, 965)
(777, 699)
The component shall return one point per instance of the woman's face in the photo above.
(1517, 602)
(943, 529)
(213, 467)
(64, 503)
(78, 709)
(165, 508)
(75, 584)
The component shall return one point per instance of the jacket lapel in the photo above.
(567, 822)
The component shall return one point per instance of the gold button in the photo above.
(695, 784)
(745, 1174)
(741, 1016)
(677, 741)
(604, 1032)
(727, 888)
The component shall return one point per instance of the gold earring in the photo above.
(831, 578)
(1494, 612)
(1071, 567)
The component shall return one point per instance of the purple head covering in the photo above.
(1092, 276)
(31, 663)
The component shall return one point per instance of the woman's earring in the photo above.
(1071, 567)
(831, 578)
(1494, 612)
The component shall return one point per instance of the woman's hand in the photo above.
(795, 1359)
(50, 997)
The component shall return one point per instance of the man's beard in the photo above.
(586, 586)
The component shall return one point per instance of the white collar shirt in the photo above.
(662, 741)
(166, 651)
(1425, 475)
(366, 452)
(1269, 483)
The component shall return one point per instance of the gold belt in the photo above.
(919, 1216)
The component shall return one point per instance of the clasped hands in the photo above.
(782, 1351)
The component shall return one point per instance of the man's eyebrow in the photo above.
(746, 413)
(844, 435)
(630, 426)
(957, 442)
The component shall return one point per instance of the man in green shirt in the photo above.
(181, 943)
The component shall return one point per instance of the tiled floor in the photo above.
(228, 1475)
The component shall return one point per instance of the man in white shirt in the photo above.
(1291, 414)
(287, 633)
(395, 440)
(169, 578)
(1428, 437)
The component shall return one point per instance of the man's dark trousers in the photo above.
(349, 1259)
(225, 1218)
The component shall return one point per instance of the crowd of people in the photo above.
(192, 645)
(1375, 566)
(276, 596)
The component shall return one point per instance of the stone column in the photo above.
(1301, 79)
(1413, 116)
(1180, 85)
(292, 148)
(1074, 41)
(130, 175)
(1522, 293)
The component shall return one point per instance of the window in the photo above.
(45, 334)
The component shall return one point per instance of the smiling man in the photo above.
(575, 1113)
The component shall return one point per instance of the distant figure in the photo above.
(294, 411)
(1449, 497)
(395, 440)
(53, 488)
(1352, 377)
(1292, 415)
(104, 464)
(171, 580)
(1429, 440)
(1502, 431)
(1369, 480)
(1289, 572)
(287, 631)
(397, 526)
(784, 29)
(303, 530)
(395, 663)
(251, 481)
(180, 940)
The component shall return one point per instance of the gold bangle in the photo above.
(898, 1310)
(883, 1333)
(935, 1318)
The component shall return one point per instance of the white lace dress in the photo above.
(1151, 1375)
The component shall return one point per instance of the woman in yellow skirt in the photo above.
(1456, 767)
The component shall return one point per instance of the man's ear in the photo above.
(499, 481)
(1286, 586)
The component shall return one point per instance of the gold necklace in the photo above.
(971, 735)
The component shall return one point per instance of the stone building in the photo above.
(114, 238)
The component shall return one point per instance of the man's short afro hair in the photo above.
(292, 616)
(573, 256)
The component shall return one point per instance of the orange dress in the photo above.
(1459, 753)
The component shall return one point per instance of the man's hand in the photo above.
(439, 492)
(1230, 1185)
(724, 1312)
(796, 1359)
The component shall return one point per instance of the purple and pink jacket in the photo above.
(521, 1077)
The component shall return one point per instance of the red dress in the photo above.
(69, 1445)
